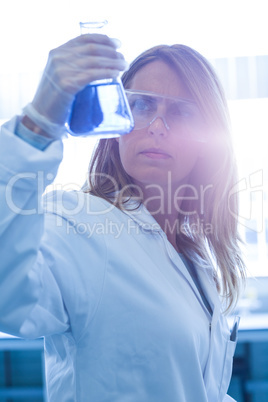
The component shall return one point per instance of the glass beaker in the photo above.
(101, 108)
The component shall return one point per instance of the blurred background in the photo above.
(233, 35)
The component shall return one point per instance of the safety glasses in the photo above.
(179, 115)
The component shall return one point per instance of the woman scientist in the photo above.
(127, 280)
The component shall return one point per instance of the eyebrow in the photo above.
(155, 95)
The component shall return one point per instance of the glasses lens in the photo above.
(180, 115)
(185, 118)
(143, 108)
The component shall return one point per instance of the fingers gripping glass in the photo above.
(179, 115)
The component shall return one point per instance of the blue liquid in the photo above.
(100, 109)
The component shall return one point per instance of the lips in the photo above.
(155, 153)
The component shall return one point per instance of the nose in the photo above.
(158, 126)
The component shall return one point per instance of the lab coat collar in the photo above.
(209, 286)
(141, 215)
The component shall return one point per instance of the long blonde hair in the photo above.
(216, 242)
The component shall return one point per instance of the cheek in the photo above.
(187, 154)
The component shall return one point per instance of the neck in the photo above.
(164, 203)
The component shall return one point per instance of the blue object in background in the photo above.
(21, 370)
(250, 373)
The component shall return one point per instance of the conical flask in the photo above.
(101, 109)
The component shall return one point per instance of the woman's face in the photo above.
(155, 154)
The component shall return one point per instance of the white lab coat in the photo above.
(122, 318)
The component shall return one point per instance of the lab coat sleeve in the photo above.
(24, 273)
(227, 398)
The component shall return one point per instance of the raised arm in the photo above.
(25, 170)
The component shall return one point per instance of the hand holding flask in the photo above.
(100, 109)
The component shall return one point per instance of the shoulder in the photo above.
(76, 203)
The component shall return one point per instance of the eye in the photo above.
(181, 109)
(142, 105)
